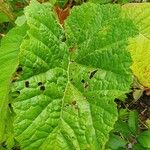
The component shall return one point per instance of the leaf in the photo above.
(3, 17)
(67, 88)
(140, 51)
(137, 146)
(122, 128)
(143, 139)
(142, 10)
(100, 1)
(115, 142)
(9, 50)
(133, 121)
(140, 46)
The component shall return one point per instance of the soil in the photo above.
(142, 105)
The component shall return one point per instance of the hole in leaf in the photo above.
(86, 85)
(63, 39)
(15, 78)
(19, 69)
(83, 81)
(42, 88)
(15, 148)
(4, 144)
(10, 107)
(74, 102)
(92, 74)
(27, 84)
(40, 83)
(15, 94)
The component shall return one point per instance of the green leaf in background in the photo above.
(140, 45)
(3, 17)
(67, 90)
(133, 121)
(101, 1)
(116, 142)
(122, 128)
(144, 139)
(9, 50)
(123, 1)
(138, 146)
(140, 51)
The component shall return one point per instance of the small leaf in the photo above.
(144, 139)
(115, 142)
(123, 128)
(133, 121)
(137, 93)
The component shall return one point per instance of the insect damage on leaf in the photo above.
(27, 84)
(73, 77)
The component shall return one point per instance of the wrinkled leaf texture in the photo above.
(9, 50)
(71, 77)
(140, 45)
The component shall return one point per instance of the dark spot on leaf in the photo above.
(63, 39)
(26, 83)
(92, 74)
(4, 144)
(14, 79)
(15, 148)
(66, 105)
(83, 81)
(19, 69)
(40, 83)
(10, 107)
(74, 102)
(15, 94)
(42, 88)
(71, 49)
(34, 68)
(18, 92)
(86, 85)
(71, 79)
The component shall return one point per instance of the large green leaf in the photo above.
(67, 91)
(8, 62)
(140, 46)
